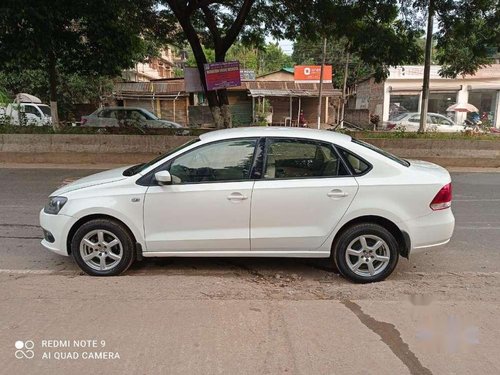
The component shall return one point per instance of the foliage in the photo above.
(307, 52)
(468, 32)
(91, 37)
(266, 59)
(371, 31)
(74, 88)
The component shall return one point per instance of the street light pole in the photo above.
(344, 89)
(321, 83)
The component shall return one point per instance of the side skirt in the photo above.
(278, 254)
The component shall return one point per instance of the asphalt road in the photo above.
(436, 314)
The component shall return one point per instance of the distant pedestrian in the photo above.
(302, 120)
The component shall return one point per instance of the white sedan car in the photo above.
(256, 192)
(410, 122)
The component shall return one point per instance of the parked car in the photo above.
(26, 110)
(410, 122)
(256, 192)
(126, 116)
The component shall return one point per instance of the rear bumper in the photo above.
(431, 230)
(58, 227)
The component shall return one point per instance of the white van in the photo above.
(27, 110)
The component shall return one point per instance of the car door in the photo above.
(32, 114)
(207, 207)
(107, 118)
(304, 192)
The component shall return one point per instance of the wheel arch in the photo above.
(401, 236)
(86, 219)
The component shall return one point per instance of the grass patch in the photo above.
(14, 129)
(431, 135)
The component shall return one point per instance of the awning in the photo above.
(290, 93)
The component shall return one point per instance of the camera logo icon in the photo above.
(24, 349)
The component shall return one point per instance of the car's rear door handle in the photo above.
(236, 197)
(337, 193)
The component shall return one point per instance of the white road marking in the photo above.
(37, 272)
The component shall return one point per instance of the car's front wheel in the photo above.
(366, 253)
(103, 247)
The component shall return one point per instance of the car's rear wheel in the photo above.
(103, 247)
(366, 253)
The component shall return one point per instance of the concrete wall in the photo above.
(129, 149)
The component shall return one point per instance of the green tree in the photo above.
(306, 52)
(273, 58)
(90, 37)
(468, 32)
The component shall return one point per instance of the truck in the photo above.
(26, 110)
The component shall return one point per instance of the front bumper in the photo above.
(431, 230)
(58, 226)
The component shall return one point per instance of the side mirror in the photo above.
(163, 177)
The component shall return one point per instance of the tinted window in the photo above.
(45, 109)
(357, 165)
(32, 110)
(220, 161)
(135, 115)
(300, 158)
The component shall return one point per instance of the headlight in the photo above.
(55, 204)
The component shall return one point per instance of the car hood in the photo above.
(92, 180)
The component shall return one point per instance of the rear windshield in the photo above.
(382, 152)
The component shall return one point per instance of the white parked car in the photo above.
(33, 114)
(410, 122)
(126, 116)
(256, 192)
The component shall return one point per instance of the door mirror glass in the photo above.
(163, 177)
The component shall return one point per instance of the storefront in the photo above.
(402, 92)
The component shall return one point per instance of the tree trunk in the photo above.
(427, 69)
(227, 118)
(53, 91)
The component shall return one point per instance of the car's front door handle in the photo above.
(337, 193)
(236, 197)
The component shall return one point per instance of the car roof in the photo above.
(429, 113)
(275, 131)
(123, 108)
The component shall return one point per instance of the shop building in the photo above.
(402, 92)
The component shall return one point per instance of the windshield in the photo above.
(140, 167)
(398, 116)
(149, 115)
(382, 152)
(45, 109)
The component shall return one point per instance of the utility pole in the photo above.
(427, 69)
(321, 83)
(344, 89)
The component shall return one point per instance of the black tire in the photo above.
(372, 231)
(110, 227)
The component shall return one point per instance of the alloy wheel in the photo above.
(367, 255)
(101, 250)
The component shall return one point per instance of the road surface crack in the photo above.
(391, 337)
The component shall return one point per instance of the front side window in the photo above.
(287, 158)
(32, 110)
(221, 161)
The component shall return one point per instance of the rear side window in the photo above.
(291, 158)
(358, 166)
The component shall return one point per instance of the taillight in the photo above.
(442, 199)
(83, 121)
(391, 125)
